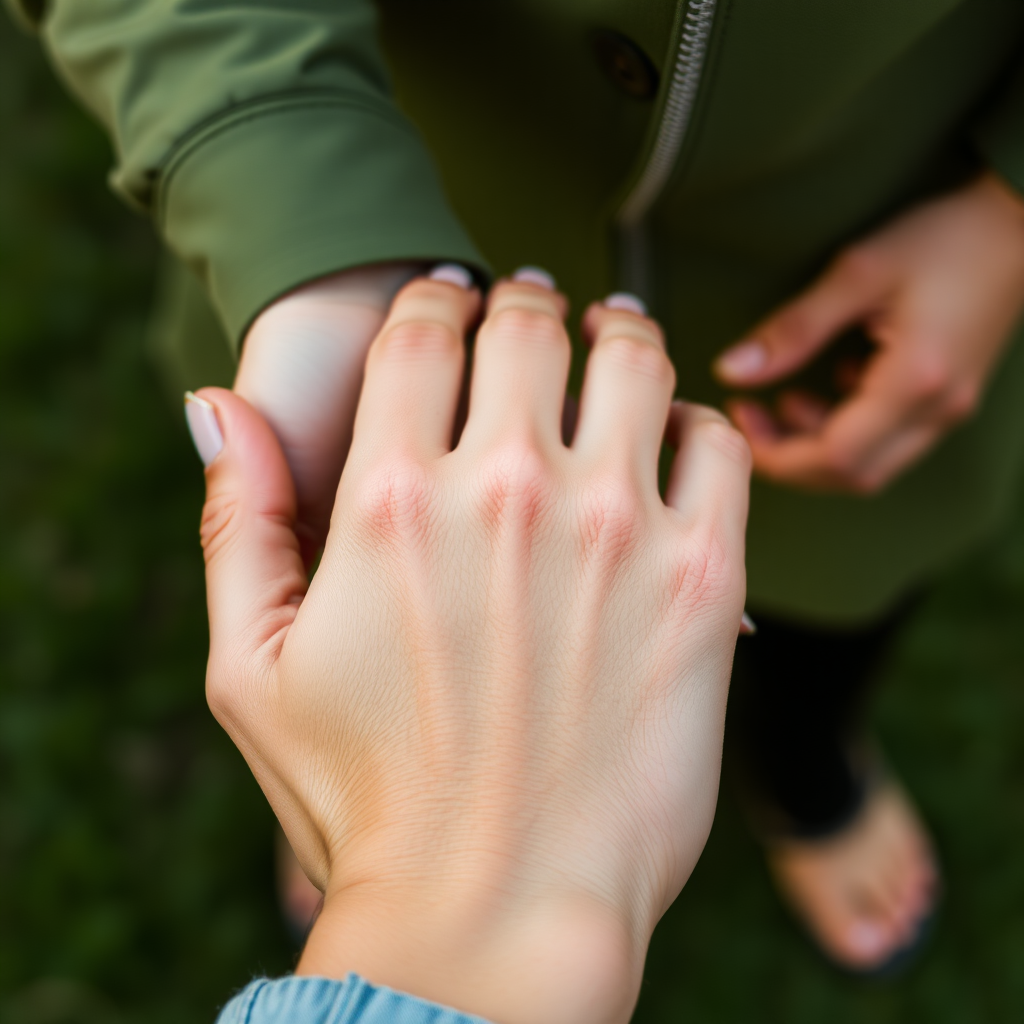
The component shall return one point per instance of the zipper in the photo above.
(631, 219)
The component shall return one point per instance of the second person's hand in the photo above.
(302, 366)
(938, 291)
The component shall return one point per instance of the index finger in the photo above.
(414, 370)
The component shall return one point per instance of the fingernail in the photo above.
(742, 360)
(534, 275)
(201, 418)
(747, 625)
(866, 939)
(627, 301)
(452, 273)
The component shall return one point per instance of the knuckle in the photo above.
(721, 435)
(224, 684)
(414, 338)
(232, 688)
(527, 326)
(930, 378)
(703, 571)
(514, 486)
(610, 517)
(393, 497)
(216, 527)
(962, 402)
(640, 357)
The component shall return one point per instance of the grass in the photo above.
(135, 871)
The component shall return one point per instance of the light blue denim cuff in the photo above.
(326, 1001)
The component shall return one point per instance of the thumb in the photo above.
(850, 290)
(254, 573)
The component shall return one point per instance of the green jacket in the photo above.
(709, 154)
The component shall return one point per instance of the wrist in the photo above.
(375, 285)
(302, 367)
(558, 960)
(318, 303)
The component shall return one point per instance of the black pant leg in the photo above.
(795, 722)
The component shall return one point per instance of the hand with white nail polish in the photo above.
(202, 422)
(491, 725)
(938, 292)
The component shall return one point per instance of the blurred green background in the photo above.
(136, 878)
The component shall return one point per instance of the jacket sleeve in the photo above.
(261, 137)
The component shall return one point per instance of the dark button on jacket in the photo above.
(626, 64)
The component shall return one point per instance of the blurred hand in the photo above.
(492, 727)
(939, 291)
(301, 368)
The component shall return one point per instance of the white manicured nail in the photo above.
(626, 301)
(747, 625)
(742, 360)
(452, 273)
(201, 418)
(534, 275)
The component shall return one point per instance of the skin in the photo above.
(863, 893)
(500, 805)
(302, 367)
(938, 290)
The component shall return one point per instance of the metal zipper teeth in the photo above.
(675, 119)
(634, 251)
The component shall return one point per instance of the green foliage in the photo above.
(951, 720)
(135, 849)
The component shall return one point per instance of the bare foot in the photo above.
(863, 893)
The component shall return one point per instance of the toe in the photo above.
(865, 893)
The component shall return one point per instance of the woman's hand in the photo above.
(939, 291)
(492, 725)
(301, 368)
